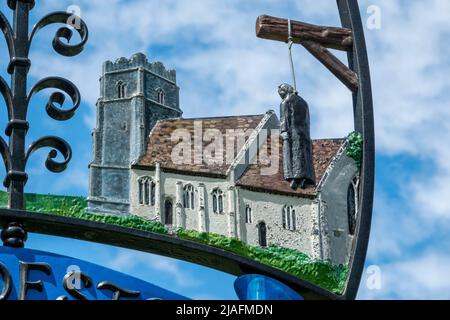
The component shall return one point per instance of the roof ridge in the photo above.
(212, 118)
(247, 145)
(330, 139)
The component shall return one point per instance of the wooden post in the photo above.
(315, 39)
(348, 77)
(272, 28)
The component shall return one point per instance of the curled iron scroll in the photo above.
(6, 156)
(66, 33)
(5, 91)
(8, 32)
(52, 109)
(57, 144)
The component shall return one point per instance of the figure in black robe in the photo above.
(297, 145)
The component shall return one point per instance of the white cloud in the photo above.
(418, 278)
(409, 68)
(434, 201)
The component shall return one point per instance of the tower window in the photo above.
(352, 204)
(121, 89)
(217, 197)
(188, 196)
(161, 96)
(146, 191)
(248, 214)
(289, 218)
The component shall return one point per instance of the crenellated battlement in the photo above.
(134, 95)
(140, 60)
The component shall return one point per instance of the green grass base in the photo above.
(75, 207)
(323, 274)
(355, 148)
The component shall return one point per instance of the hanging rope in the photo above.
(290, 43)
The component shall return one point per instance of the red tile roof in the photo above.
(323, 153)
(160, 144)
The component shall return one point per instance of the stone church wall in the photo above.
(333, 203)
(265, 207)
(268, 208)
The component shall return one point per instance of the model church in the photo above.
(222, 175)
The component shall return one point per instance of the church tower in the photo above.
(134, 95)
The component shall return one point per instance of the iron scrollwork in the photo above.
(57, 144)
(57, 97)
(14, 154)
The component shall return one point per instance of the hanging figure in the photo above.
(297, 145)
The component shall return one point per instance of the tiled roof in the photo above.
(160, 144)
(323, 153)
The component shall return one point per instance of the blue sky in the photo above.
(223, 69)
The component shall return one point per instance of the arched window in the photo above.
(352, 204)
(289, 218)
(188, 197)
(248, 214)
(152, 193)
(161, 96)
(217, 198)
(262, 234)
(146, 191)
(168, 212)
(141, 190)
(121, 88)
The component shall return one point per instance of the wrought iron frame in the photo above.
(15, 155)
(15, 158)
(364, 124)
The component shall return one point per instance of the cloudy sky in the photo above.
(223, 69)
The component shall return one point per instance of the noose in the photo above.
(290, 43)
